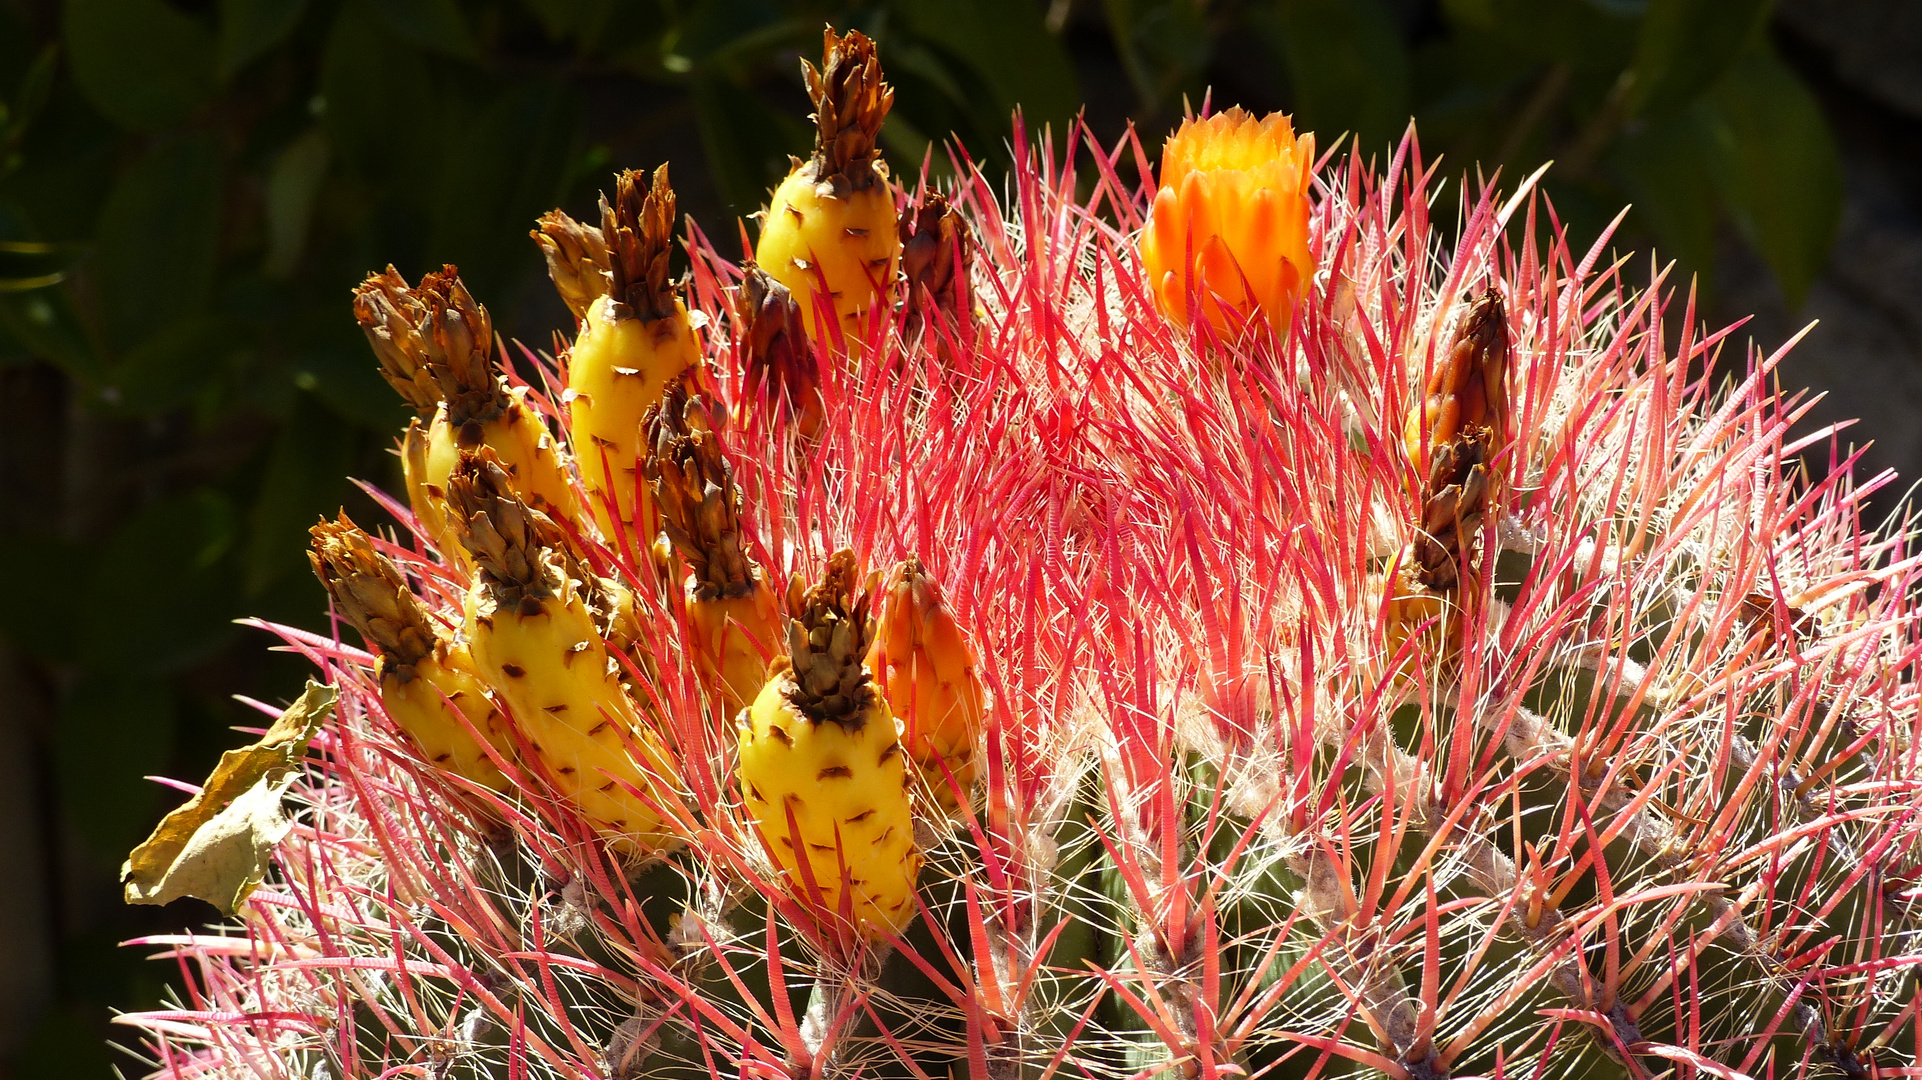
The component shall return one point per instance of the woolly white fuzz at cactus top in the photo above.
(1624, 783)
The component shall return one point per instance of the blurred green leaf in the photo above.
(172, 366)
(142, 63)
(248, 28)
(45, 322)
(1775, 163)
(435, 25)
(158, 239)
(381, 111)
(1662, 168)
(580, 20)
(39, 614)
(36, 87)
(160, 595)
(113, 733)
(293, 188)
(727, 30)
(306, 477)
(511, 164)
(1163, 45)
(1006, 42)
(349, 382)
(1577, 32)
(26, 265)
(1348, 67)
(937, 93)
(1686, 45)
(746, 144)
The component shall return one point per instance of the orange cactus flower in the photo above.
(1230, 222)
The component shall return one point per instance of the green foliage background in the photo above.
(188, 191)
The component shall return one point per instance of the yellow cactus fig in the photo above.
(831, 224)
(425, 676)
(734, 618)
(1229, 227)
(823, 773)
(635, 341)
(576, 257)
(539, 644)
(448, 340)
(429, 508)
(926, 670)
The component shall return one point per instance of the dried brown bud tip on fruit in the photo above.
(937, 252)
(694, 486)
(779, 362)
(1463, 421)
(459, 338)
(392, 317)
(850, 103)
(505, 536)
(828, 642)
(577, 260)
(369, 591)
(639, 229)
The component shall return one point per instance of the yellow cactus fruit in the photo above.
(1230, 221)
(538, 643)
(819, 749)
(783, 373)
(937, 254)
(576, 259)
(435, 345)
(429, 509)
(926, 670)
(734, 621)
(635, 341)
(391, 316)
(424, 675)
(478, 407)
(1462, 422)
(831, 224)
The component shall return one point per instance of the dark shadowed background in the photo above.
(188, 190)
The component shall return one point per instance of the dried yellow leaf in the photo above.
(216, 846)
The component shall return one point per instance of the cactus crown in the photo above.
(909, 596)
(1469, 387)
(937, 247)
(827, 643)
(774, 344)
(909, 583)
(577, 259)
(639, 230)
(391, 316)
(694, 487)
(459, 338)
(508, 539)
(1466, 412)
(369, 592)
(850, 102)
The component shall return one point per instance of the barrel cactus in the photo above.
(1433, 662)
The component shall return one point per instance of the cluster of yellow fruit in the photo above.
(837, 717)
(839, 711)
